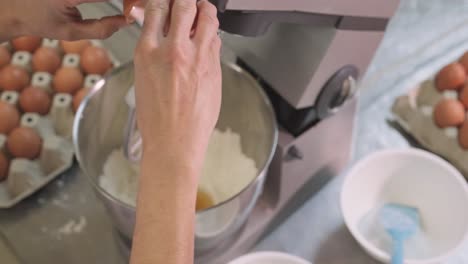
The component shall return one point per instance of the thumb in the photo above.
(74, 3)
(97, 28)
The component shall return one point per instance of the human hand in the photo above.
(178, 79)
(56, 19)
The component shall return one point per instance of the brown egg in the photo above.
(4, 165)
(79, 96)
(5, 56)
(13, 78)
(9, 118)
(95, 60)
(24, 142)
(26, 43)
(449, 112)
(35, 100)
(74, 46)
(464, 61)
(46, 60)
(451, 77)
(68, 80)
(463, 95)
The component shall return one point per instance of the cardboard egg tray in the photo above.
(55, 129)
(414, 113)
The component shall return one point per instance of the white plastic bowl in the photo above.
(269, 257)
(412, 177)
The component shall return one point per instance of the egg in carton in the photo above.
(47, 66)
(5, 54)
(435, 115)
(27, 174)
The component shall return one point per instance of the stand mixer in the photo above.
(307, 55)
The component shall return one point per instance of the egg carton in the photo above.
(55, 129)
(413, 112)
(27, 176)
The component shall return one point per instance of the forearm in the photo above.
(165, 212)
(10, 23)
(176, 113)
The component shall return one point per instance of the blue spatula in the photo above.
(401, 222)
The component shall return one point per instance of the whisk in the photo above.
(132, 142)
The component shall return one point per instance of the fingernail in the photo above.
(201, 1)
(137, 14)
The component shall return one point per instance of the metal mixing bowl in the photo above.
(99, 129)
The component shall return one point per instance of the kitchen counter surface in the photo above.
(412, 50)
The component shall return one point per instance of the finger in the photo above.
(182, 18)
(134, 11)
(207, 23)
(96, 28)
(77, 2)
(156, 16)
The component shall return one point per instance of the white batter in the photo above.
(227, 170)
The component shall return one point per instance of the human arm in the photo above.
(178, 95)
(56, 19)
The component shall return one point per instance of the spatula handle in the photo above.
(397, 254)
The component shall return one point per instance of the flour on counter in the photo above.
(60, 203)
(227, 170)
(73, 227)
(60, 183)
(41, 201)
